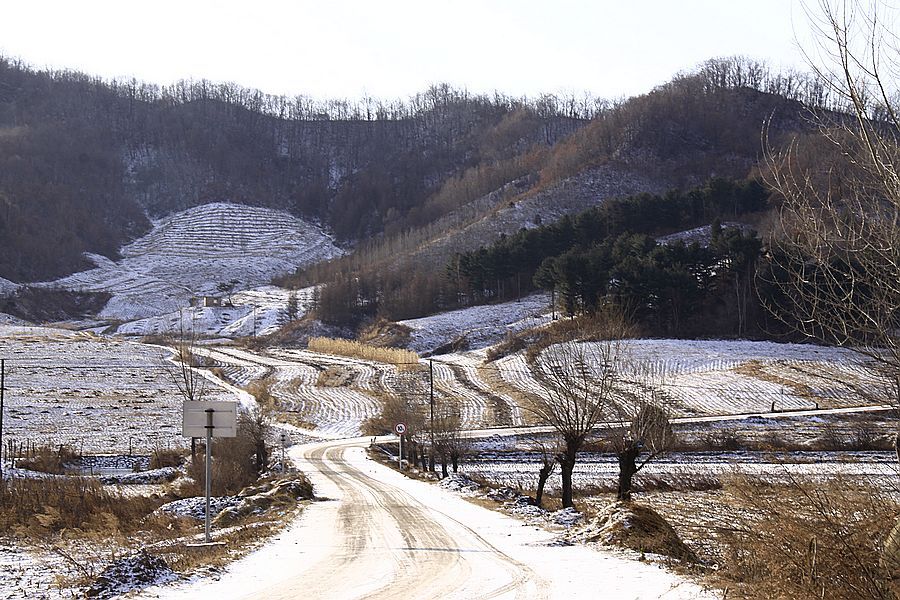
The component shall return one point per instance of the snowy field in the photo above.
(97, 395)
(711, 377)
(189, 253)
(520, 470)
(480, 326)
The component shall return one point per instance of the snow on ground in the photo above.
(495, 552)
(700, 235)
(31, 573)
(334, 411)
(257, 311)
(7, 287)
(98, 395)
(520, 470)
(710, 377)
(191, 252)
(480, 325)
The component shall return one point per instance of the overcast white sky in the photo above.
(394, 48)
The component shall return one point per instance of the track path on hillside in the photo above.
(381, 535)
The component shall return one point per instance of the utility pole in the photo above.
(431, 403)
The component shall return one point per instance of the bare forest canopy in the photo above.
(84, 162)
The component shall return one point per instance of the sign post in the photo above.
(209, 420)
(400, 428)
(209, 429)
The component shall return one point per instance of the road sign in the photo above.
(194, 418)
(400, 428)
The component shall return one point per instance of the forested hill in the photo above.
(84, 162)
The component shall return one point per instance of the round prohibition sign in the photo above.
(400, 428)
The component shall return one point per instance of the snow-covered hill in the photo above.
(7, 287)
(188, 254)
(481, 326)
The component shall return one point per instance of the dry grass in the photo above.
(49, 459)
(36, 507)
(385, 334)
(166, 457)
(404, 360)
(335, 376)
(806, 539)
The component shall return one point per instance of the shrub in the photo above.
(37, 506)
(48, 459)
(166, 457)
(236, 462)
(807, 539)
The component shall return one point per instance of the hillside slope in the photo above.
(190, 253)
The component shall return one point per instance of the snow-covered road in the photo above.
(381, 535)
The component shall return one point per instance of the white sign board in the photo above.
(195, 419)
(400, 428)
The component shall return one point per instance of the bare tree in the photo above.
(548, 451)
(836, 253)
(645, 435)
(450, 444)
(579, 383)
(183, 368)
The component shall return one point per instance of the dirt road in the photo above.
(381, 535)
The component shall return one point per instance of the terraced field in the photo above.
(728, 377)
(189, 253)
(104, 393)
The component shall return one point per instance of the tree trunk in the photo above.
(627, 469)
(566, 466)
(424, 457)
(411, 452)
(454, 458)
(543, 475)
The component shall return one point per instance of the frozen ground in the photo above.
(711, 377)
(382, 532)
(189, 253)
(519, 470)
(480, 326)
(99, 395)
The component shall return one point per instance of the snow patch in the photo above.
(481, 326)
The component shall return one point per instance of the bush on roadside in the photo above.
(236, 462)
(807, 539)
(36, 506)
(166, 457)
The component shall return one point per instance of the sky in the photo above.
(394, 48)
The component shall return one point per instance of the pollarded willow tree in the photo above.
(836, 255)
(579, 381)
(595, 387)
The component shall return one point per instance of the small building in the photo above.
(207, 301)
